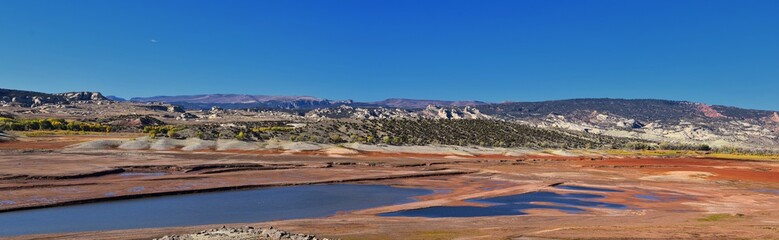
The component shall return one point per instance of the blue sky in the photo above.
(718, 52)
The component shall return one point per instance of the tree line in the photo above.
(51, 124)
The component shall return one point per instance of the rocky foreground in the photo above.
(227, 233)
(5, 137)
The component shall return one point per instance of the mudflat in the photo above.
(657, 197)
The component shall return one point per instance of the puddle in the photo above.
(6, 202)
(662, 196)
(515, 205)
(442, 191)
(647, 197)
(583, 188)
(142, 174)
(137, 189)
(771, 191)
(242, 206)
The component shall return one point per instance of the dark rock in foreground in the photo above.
(245, 233)
(4, 137)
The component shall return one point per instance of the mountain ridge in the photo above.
(285, 102)
(654, 120)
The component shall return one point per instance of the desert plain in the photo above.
(684, 196)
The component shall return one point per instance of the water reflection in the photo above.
(515, 205)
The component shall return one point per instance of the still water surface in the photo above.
(515, 205)
(244, 206)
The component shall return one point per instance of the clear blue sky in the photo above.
(719, 52)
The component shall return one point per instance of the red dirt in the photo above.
(26, 177)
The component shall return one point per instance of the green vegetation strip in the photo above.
(51, 124)
(717, 217)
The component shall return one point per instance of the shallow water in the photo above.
(514, 205)
(255, 205)
(771, 191)
(142, 174)
(647, 197)
(583, 188)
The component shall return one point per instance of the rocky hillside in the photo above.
(648, 119)
(415, 132)
(27, 98)
(418, 103)
(429, 112)
(638, 119)
(31, 99)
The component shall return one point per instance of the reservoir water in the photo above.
(241, 206)
(514, 205)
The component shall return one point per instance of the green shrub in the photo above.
(51, 124)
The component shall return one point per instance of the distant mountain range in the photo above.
(231, 101)
(228, 101)
(640, 109)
